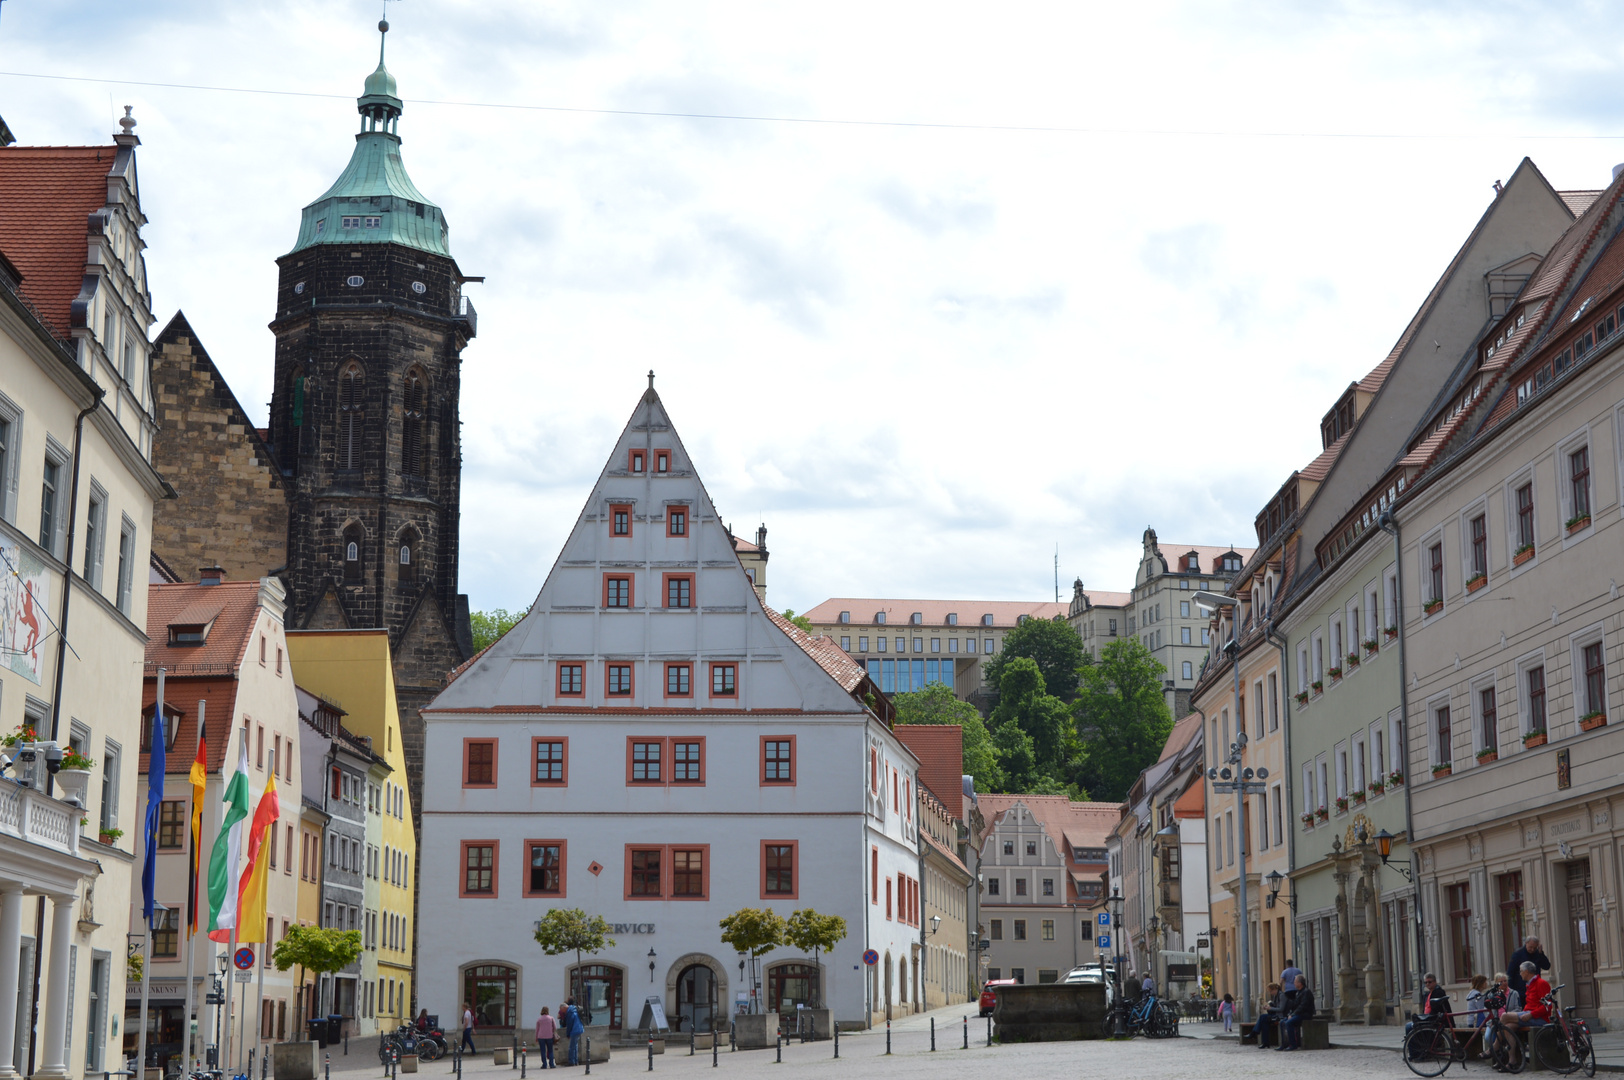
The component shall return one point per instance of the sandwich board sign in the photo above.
(653, 1018)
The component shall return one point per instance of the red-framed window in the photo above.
(620, 519)
(679, 590)
(617, 591)
(479, 868)
(687, 760)
(571, 679)
(724, 680)
(874, 874)
(1579, 481)
(671, 759)
(1595, 680)
(645, 761)
(1525, 515)
(667, 872)
(478, 763)
(894, 806)
(635, 460)
(662, 461)
(873, 769)
(546, 862)
(778, 760)
(676, 520)
(619, 680)
(780, 870)
(338, 782)
(888, 884)
(679, 679)
(551, 757)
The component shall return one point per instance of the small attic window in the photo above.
(188, 633)
(845, 616)
(321, 226)
(986, 620)
(355, 281)
(374, 222)
(952, 618)
(1581, 310)
(1020, 620)
(879, 617)
(350, 222)
(916, 618)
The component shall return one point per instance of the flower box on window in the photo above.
(1302, 697)
(1523, 554)
(1318, 685)
(109, 836)
(1395, 779)
(1443, 768)
(1431, 606)
(1358, 797)
(1335, 674)
(1371, 645)
(1476, 582)
(1487, 754)
(1577, 523)
(1308, 821)
(1534, 738)
(1353, 660)
(1391, 632)
(1321, 813)
(1377, 787)
(1592, 721)
(1342, 804)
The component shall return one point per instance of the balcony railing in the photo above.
(37, 818)
(465, 311)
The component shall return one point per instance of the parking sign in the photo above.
(1104, 918)
(1103, 941)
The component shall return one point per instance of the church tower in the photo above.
(370, 326)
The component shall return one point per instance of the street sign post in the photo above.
(243, 958)
(870, 957)
(1103, 918)
(1103, 941)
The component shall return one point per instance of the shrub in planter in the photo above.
(1476, 582)
(1395, 779)
(1302, 697)
(1318, 685)
(1488, 754)
(1442, 769)
(1371, 645)
(1308, 821)
(1593, 720)
(1432, 606)
(1353, 659)
(1335, 673)
(110, 836)
(1359, 797)
(72, 759)
(1534, 738)
(1377, 787)
(1391, 632)
(1342, 804)
(1321, 813)
(1523, 554)
(1577, 523)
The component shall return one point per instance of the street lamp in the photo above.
(935, 924)
(1240, 781)
(651, 963)
(1384, 848)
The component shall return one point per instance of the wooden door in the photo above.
(1582, 937)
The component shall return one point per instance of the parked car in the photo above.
(989, 996)
(1091, 973)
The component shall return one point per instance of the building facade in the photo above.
(1164, 619)
(653, 745)
(77, 491)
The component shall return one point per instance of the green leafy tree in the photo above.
(799, 620)
(755, 932)
(1024, 700)
(1121, 716)
(1017, 756)
(490, 625)
(935, 704)
(564, 930)
(315, 950)
(1055, 647)
(807, 930)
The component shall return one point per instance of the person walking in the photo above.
(468, 1027)
(574, 1028)
(1226, 1012)
(1291, 1029)
(546, 1036)
(1529, 953)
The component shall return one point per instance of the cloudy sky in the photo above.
(1080, 268)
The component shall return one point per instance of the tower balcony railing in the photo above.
(465, 311)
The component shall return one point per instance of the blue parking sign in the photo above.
(1103, 941)
(1104, 918)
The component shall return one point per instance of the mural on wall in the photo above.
(24, 597)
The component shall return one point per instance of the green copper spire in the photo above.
(373, 201)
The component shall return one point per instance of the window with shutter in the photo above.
(351, 386)
(412, 425)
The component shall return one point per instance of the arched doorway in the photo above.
(600, 992)
(696, 998)
(902, 982)
(789, 985)
(493, 990)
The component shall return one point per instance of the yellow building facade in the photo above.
(352, 669)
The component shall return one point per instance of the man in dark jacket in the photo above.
(1291, 1029)
(1529, 953)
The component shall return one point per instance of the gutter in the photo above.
(1388, 523)
(1291, 830)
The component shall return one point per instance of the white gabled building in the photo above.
(653, 745)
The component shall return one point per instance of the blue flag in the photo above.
(155, 799)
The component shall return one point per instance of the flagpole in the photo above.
(186, 1017)
(193, 876)
(231, 982)
(146, 983)
(148, 840)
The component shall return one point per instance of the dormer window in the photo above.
(986, 620)
(374, 222)
(321, 226)
(845, 616)
(952, 618)
(1193, 564)
(188, 633)
(879, 617)
(351, 222)
(917, 618)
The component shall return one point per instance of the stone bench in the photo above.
(1316, 1034)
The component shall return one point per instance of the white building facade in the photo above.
(652, 745)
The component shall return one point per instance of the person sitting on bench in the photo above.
(1268, 1018)
(1291, 1029)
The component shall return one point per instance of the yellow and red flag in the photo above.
(200, 779)
(252, 889)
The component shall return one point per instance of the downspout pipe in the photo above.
(1291, 831)
(1388, 523)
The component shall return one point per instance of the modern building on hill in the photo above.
(77, 490)
(222, 647)
(653, 745)
(907, 645)
(1042, 861)
(353, 670)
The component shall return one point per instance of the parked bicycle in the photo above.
(1151, 1017)
(1563, 1045)
(1433, 1043)
(404, 1041)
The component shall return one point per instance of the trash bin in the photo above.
(318, 1031)
(335, 1028)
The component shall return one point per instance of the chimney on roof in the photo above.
(210, 575)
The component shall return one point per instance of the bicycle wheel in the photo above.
(1584, 1051)
(428, 1049)
(1428, 1050)
(1550, 1046)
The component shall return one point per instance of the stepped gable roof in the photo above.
(940, 750)
(934, 612)
(1087, 822)
(1187, 728)
(46, 196)
(782, 669)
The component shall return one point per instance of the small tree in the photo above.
(564, 930)
(807, 930)
(757, 932)
(315, 949)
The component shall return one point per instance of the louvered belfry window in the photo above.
(412, 426)
(351, 388)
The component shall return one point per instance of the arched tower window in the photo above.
(351, 396)
(412, 425)
(352, 555)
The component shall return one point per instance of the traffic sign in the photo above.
(1104, 918)
(244, 958)
(243, 976)
(870, 957)
(1103, 941)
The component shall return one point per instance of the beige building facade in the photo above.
(1164, 618)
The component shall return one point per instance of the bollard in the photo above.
(715, 1038)
(346, 1040)
(524, 1061)
(933, 1034)
(264, 1065)
(888, 1038)
(327, 1066)
(691, 1033)
(989, 1031)
(836, 1024)
(733, 1037)
(515, 1051)
(589, 1055)
(651, 1053)
(966, 1031)
(778, 1048)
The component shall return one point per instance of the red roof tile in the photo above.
(1180, 736)
(940, 750)
(830, 657)
(1317, 469)
(1087, 822)
(934, 612)
(46, 195)
(235, 605)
